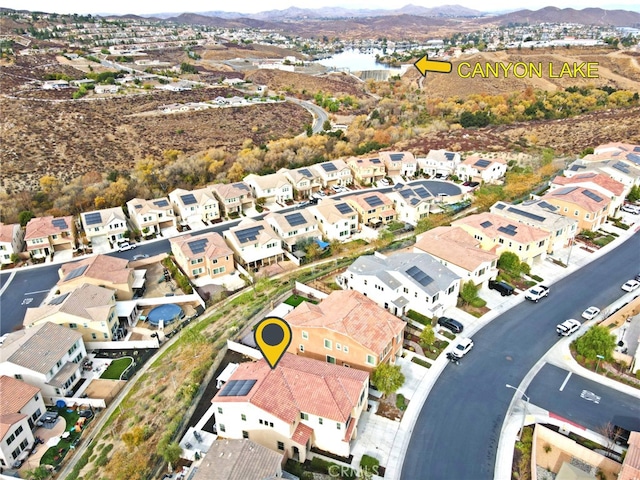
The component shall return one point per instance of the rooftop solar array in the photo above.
(634, 158)
(328, 167)
(406, 193)
(188, 199)
(93, 218)
(249, 234)
(138, 206)
(482, 163)
(76, 272)
(575, 168)
(546, 205)
(486, 224)
(373, 201)
(198, 246)
(636, 149)
(422, 192)
(419, 276)
(532, 216)
(621, 166)
(509, 230)
(449, 155)
(500, 206)
(59, 299)
(414, 201)
(161, 203)
(375, 160)
(237, 388)
(59, 223)
(566, 191)
(344, 208)
(241, 186)
(592, 195)
(396, 156)
(295, 219)
(306, 172)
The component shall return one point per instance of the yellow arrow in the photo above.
(425, 65)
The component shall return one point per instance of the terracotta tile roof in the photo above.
(215, 246)
(302, 434)
(631, 464)
(14, 394)
(490, 225)
(582, 197)
(352, 314)
(7, 421)
(40, 227)
(239, 460)
(300, 384)
(339, 164)
(350, 428)
(101, 267)
(455, 246)
(600, 179)
(6, 232)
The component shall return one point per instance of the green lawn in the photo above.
(295, 300)
(115, 369)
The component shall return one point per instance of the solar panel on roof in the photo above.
(509, 231)
(546, 205)
(295, 219)
(344, 208)
(422, 192)
(375, 160)
(524, 213)
(306, 172)
(565, 191)
(241, 186)
(373, 201)
(59, 299)
(93, 218)
(59, 223)
(500, 206)
(406, 193)
(188, 199)
(76, 272)
(198, 246)
(575, 168)
(486, 224)
(636, 149)
(449, 155)
(592, 195)
(634, 158)
(414, 201)
(237, 388)
(419, 276)
(138, 207)
(161, 203)
(249, 234)
(482, 163)
(328, 167)
(622, 167)
(396, 156)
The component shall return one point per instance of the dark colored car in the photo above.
(502, 287)
(453, 325)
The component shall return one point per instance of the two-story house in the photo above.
(347, 329)
(623, 172)
(254, 243)
(195, 206)
(46, 235)
(303, 403)
(373, 208)
(234, 198)
(293, 227)
(399, 163)
(47, 356)
(304, 180)
(89, 310)
(583, 204)
(21, 406)
(11, 242)
(109, 224)
(439, 163)
(150, 217)
(411, 203)
(273, 188)
(366, 171)
(403, 282)
(599, 183)
(477, 169)
(333, 173)
(337, 220)
(203, 255)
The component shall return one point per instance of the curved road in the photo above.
(456, 434)
(319, 115)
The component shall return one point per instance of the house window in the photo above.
(220, 410)
(345, 349)
(18, 376)
(243, 417)
(304, 416)
(245, 434)
(305, 335)
(301, 347)
(331, 359)
(327, 344)
(338, 346)
(320, 421)
(222, 428)
(280, 446)
(338, 426)
(371, 360)
(576, 213)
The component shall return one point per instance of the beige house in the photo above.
(254, 244)
(302, 403)
(46, 235)
(366, 171)
(273, 188)
(599, 183)
(234, 198)
(203, 255)
(239, 459)
(582, 204)
(195, 206)
(304, 180)
(11, 242)
(110, 224)
(333, 173)
(337, 220)
(631, 463)
(150, 217)
(293, 227)
(439, 163)
(373, 208)
(411, 203)
(477, 169)
(399, 163)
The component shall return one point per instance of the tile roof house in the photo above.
(337, 220)
(305, 181)
(151, 216)
(293, 227)
(599, 183)
(347, 329)
(47, 356)
(89, 310)
(273, 188)
(368, 170)
(110, 223)
(254, 243)
(11, 241)
(21, 405)
(302, 403)
(459, 252)
(583, 204)
(403, 282)
(46, 235)
(631, 463)
(195, 206)
(411, 203)
(399, 163)
(498, 234)
(203, 255)
(373, 208)
(234, 198)
(439, 163)
(477, 169)
(626, 173)
(333, 173)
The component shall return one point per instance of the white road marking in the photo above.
(565, 381)
(6, 284)
(39, 291)
(592, 397)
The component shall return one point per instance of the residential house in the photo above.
(623, 172)
(333, 173)
(89, 310)
(273, 188)
(457, 250)
(46, 235)
(498, 234)
(103, 271)
(21, 405)
(477, 169)
(293, 227)
(336, 219)
(239, 459)
(303, 403)
(373, 208)
(347, 329)
(203, 255)
(195, 206)
(234, 198)
(106, 89)
(631, 463)
(439, 163)
(403, 282)
(599, 183)
(108, 224)
(582, 204)
(305, 181)
(617, 148)
(11, 242)
(150, 217)
(254, 243)
(399, 163)
(47, 356)
(366, 171)
(411, 203)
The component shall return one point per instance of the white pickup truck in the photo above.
(536, 293)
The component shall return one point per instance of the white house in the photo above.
(195, 206)
(234, 198)
(411, 203)
(151, 216)
(11, 241)
(333, 173)
(106, 88)
(399, 163)
(293, 226)
(439, 163)
(110, 223)
(274, 187)
(254, 243)
(305, 181)
(623, 172)
(403, 282)
(47, 356)
(477, 169)
(337, 220)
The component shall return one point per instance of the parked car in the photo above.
(568, 327)
(140, 256)
(637, 278)
(124, 246)
(634, 209)
(536, 293)
(383, 182)
(502, 287)
(304, 204)
(453, 325)
(630, 285)
(463, 347)
(590, 313)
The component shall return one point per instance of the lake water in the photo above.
(356, 60)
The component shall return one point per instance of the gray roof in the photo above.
(39, 348)
(535, 213)
(60, 378)
(239, 460)
(420, 269)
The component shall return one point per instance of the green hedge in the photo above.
(421, 362)
(418, 317)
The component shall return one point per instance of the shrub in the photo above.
(421, 362)
(401, 403)
(369, 463)
(478, 303)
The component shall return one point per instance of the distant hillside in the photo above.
(587, 16)
(242, 22)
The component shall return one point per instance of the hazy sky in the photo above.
(252, 6)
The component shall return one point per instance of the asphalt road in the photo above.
(319, 115)
(572, 404)
(457, 432)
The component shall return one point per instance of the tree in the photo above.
(597, 341)
(38, 473)
(634, 194)
(469, 292)
(236, 173)
(509, 262)
(25, 216)
(326, 125)
(170, 452)
(427, 336)
(309, 130)
(387, 378)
